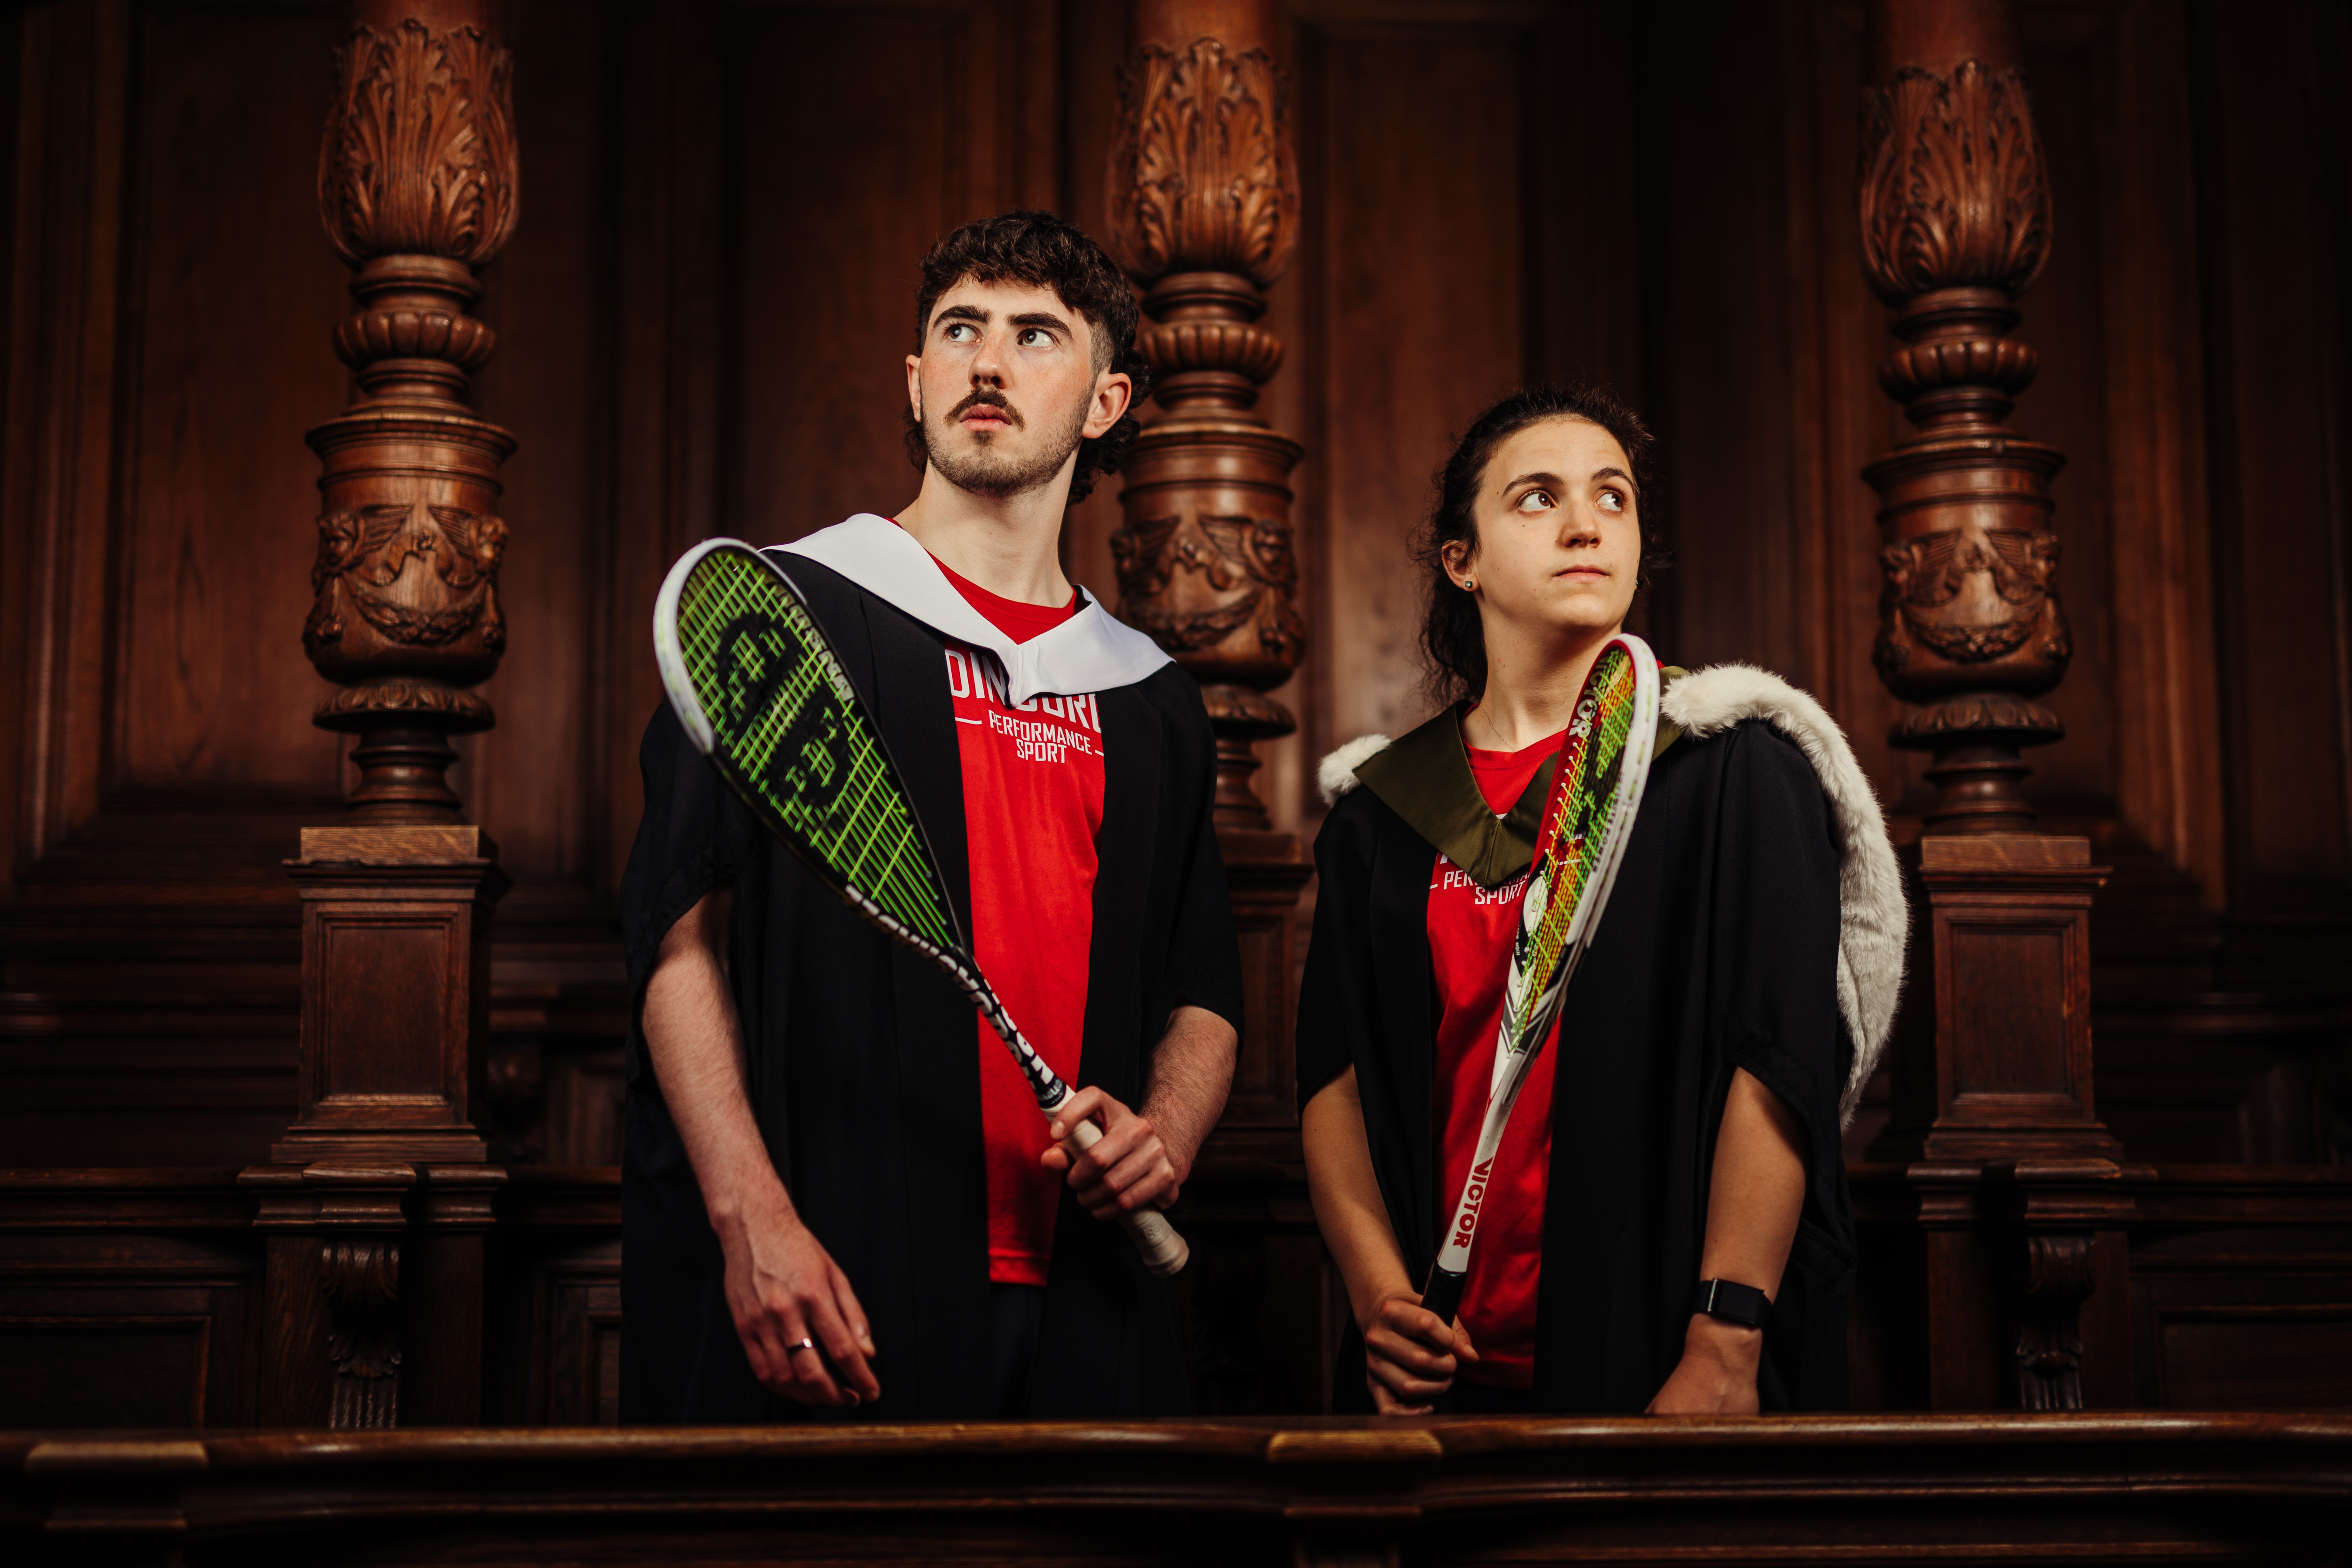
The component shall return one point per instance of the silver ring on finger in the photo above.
(798, 1345)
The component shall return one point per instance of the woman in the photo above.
(1682, 1125)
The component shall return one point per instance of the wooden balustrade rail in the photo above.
(2276, 1489)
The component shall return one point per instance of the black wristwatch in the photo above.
(1734, 1303)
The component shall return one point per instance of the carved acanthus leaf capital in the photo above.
(1202, 176)
(1953, 189)
(419, 153)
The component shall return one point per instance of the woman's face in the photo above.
(1559, 537)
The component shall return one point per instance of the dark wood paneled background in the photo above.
(701, 318)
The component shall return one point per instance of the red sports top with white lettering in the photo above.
(1033, 801)
(1470, 931)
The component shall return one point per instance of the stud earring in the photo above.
(1469, 584)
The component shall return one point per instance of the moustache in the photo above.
(981, 397)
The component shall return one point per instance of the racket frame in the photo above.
(1164, 1252)
(1449, 1271)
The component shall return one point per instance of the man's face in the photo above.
(1006, 387)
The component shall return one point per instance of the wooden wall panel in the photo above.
(2242, 1289)
(2168, 773)
(75, 76)
(536, 781)
(709, 258)
(123, 1329)
(1761, 348)
(230, 293)
(2066, 407)
(820, 276)
(1421, 147)
(1761, 357)
(2271, 135)
(819, 270)
(1092, 48)
(17, 545)
(1839, 337)
(2118, 393)
(702, 315)
(774, 210)
(1436, 272)
(1724, 339)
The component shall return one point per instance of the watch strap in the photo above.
(1732, 1301)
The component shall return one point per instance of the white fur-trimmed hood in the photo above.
(1336, 774)
(1874, 921)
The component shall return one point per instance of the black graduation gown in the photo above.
(863, 1066)
(1718, 950)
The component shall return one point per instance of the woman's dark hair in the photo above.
(1040, 250)
(1452, 640)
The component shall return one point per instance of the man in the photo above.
(838, 1193)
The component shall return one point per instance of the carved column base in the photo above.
(1240, 718)
(2023, 1199)
(2021, 1283)
(395, 992)
(373, 1291)
(1978, 771)
(404, 753)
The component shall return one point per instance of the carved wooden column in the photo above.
(417, 186)
(379, 1198)
(2022, 1192)
(1203, 198)
(1203, 204)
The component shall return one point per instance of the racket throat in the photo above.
(1443, 1294)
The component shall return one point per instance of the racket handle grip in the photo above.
(1164, 1252)
(1443, 1295)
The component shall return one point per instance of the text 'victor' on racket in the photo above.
(1596, 791)
(760, 692)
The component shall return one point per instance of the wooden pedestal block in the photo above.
(378, 1197)
(2003, 980)
(395, 992)
(2024, 1197)
(374, 1292)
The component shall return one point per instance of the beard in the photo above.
(986, 469)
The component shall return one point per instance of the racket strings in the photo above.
(1589, 776)
(856, 817)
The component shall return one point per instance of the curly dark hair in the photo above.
(1453, 642)
(1040, 249)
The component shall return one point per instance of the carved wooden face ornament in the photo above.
(1559, 537)
(1006, 386)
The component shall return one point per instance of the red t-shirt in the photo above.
(1032, 799)
(1470, 932)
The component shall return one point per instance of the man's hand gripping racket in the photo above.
(759, 691)
(1596, 790)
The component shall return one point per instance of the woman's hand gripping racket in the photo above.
(760, 693)
(1596, 790)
